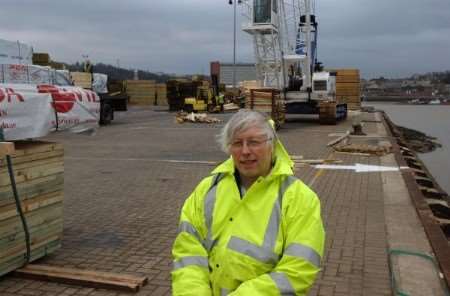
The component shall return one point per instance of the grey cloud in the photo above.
(380, 37)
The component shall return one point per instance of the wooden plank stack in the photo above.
(57, 65)
(348, 88)
(39, 175)
(246, 85)
(161, 94)
(141, 92)
(81, 79)
(327, 113)
(41, 58)
(267, 101)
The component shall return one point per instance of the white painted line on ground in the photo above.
(146, 159)
(360, 168)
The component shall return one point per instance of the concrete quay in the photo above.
(124, 188)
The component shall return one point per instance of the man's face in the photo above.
(252, 153)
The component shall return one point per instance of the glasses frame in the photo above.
(251, 144)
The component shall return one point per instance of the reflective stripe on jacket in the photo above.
(270, 242)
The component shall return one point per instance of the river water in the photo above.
(433, 120)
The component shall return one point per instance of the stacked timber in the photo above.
(161, 94)
(266, 100)
(246, 85)
(38, 169)
(82, 79)
(41, 58)
(57, 65)
(178, 90)
(327, 112)
(141, 92)
(348, 89)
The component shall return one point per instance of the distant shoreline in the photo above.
(408, 100)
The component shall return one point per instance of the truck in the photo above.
(112, 96)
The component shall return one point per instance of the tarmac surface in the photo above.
(124, 188)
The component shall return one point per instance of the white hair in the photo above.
(241, 121)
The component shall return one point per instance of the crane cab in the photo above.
(264, 17)
(265, 12)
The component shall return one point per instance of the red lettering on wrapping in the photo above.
(8, 94)
(63, 101)
(79, 95)
(92, 96)
(17, 67)
(47, 88)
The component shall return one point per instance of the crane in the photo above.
(284, 34)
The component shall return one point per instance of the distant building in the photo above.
(447, 88)
(417, 88)
(244, 71)
(373, 88)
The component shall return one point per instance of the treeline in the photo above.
(436, 77)
(120, 73)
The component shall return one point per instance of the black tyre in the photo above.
(107, 115)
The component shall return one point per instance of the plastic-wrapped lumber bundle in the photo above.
(39, 176)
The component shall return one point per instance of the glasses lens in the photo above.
(250, 143)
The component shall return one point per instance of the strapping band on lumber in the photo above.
(94, 279)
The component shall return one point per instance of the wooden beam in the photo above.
(87, 278)
(6, 148)
(335, 141)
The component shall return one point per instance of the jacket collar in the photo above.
(283, 163)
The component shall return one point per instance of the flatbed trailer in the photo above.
(110, 103)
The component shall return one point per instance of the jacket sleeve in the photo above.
(190, 274)
(304, 239)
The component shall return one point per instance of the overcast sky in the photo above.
(391, 38)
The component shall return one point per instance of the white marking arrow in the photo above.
(360, 168)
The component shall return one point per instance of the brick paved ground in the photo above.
(122, 201)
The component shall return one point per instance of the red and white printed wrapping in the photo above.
(34, 110)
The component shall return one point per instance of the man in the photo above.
(88, 67)
(251, 228)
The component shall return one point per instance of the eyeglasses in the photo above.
(251, 143)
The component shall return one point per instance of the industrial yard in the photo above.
(312, 191)
(124, 186)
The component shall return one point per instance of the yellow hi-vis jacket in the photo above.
(270, 242)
